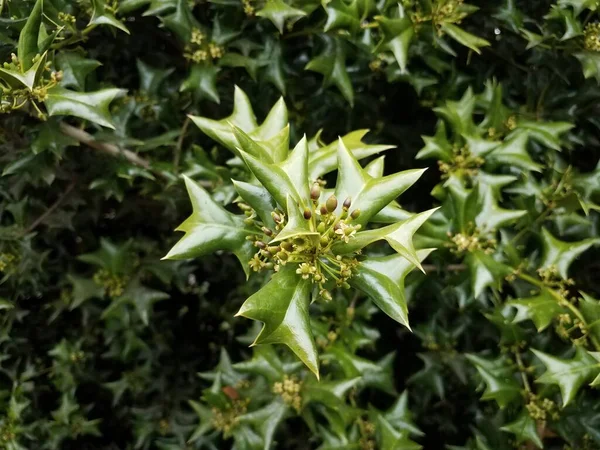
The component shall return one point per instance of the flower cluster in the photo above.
(463, 243)
(541, 409)
(14, 98)
(313, 256)
(462, 162)
(367, 434)
(226, 419)
(289, 389)
(114, 285)
(591, 37)
(199, 50)
(7, 261)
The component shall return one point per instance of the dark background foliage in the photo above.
(101, 343)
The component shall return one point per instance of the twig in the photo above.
(51, 209)
(178, 147)
(112, 150)
(449, 268)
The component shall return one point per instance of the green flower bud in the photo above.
(355, 214)
(273, 249)
(249, 221)
(315, 191)
(324, 241)
(287, 246)
(326, 295)
(282, 256)
(331, 204)
(321, 227)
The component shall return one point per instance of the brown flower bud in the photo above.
(323, 210)
(260, 244)
(307, 214)
(347, 203)
(267, 231)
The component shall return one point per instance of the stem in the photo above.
(51, 209)
(522, 370)
(564, 302)
(178, 147)
(112, 150)
(537, 221)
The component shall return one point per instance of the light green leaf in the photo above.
(569, 375)
(243, 118)
(397, 35)
(542, 309)
(92, 106)
(323, 160)
(562, 254)
(498, 378)
(462, 37)
(524, 428)
(277, 11)
(282, 306)
(75, 69)
(341, 14)
(211, 228)
(382, 279)
(100, 16)
(368, 194)
(28, 39)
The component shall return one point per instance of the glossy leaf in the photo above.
(92, 106)
(211, 228)
(282, 306)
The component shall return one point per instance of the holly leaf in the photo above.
(485, 271)
(590, 309)
(368, 194)
(342, 14)
(83, 290)
(277, 11)
(569, 375)
(264, 362)
(211, 228)
(266, 420)
(524, 428)
(382, 279)
(390, 438)
(475, 43)
(562, 254)
(27, 47)
(331, 63)
(100, 16)
(282, 306)
(579, 5)
(400, 417)
(590, 64)
(92, 106)
(75, 69)
(323, 160)
(397, 35)
(498, 378)
(242, 117)
(542, 309)
(374, 374)
(202, 82)
(513, 151)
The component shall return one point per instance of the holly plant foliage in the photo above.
(349, 165)
(294, 225)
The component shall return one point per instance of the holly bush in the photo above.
(406, 194)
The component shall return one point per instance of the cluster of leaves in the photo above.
(105, 345)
